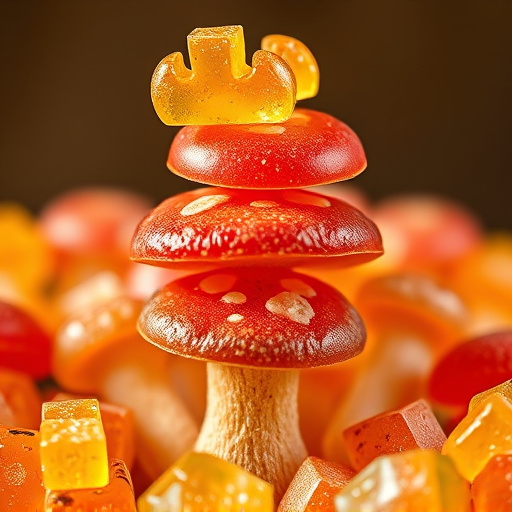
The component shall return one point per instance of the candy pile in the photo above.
(420, 421)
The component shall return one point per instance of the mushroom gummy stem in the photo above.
(252, 420)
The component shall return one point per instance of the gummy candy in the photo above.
(411, 481)
(483, 433)
(491, 489)
(221, 88)
(504, 389)
(200, 482)
(218, 226)
(117, 496)
(298, 56)
(311, 148)
(408, 428)
(21, 485)
(73, 446)
(314, 486)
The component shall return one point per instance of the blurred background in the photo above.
(426, 84)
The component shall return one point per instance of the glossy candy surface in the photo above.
(504, 389)
(73, 446)
(119, 429)
(21, 485)
(117, 496)
(272, 318)
(298, 56)
(311, 148)
(483, 433)
(411, 481)
(221, 88)
(408, 428)
(472, 367)
(492, 490)
(314, 486)
(200, 482)
(24, 346)
(218, 226)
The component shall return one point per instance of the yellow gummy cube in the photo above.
(483, 433)
(73, 454)
(504, 389)
(298, 56)
(221, 88)
(200, 482)
(72, 409)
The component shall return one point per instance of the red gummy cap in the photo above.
(257, 317)
(218, 226)
(311, 148)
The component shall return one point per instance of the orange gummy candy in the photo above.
(221, 88)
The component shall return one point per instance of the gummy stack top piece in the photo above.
(248, 311)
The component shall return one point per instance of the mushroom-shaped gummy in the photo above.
(218, 226)
(411, 320)
(100, 351)
(255, 327)
(311, 148)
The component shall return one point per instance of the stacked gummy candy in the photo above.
(255, 321)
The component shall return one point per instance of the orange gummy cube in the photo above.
(492, 490)
(413, 426)
(21, 481)
(314, 486)
(117, 496)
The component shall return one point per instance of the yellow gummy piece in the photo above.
(485, 431)
(299, 57)
(73, 454)
(504, 389)
(72, 409)
(221, 88)
(200, 482)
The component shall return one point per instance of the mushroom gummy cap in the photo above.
(258, 317)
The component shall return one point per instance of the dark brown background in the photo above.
(426, 84)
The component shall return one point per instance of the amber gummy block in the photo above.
(200, 482)
(504, 389)
(314, 486)
(411, 481)
(117, 496)
(413, 426)
(485, 431)
(21, 481)
(119, 429)
(492, 488)
(73, 446)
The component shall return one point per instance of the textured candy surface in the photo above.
(492, 491)
(239, 227)
(472, 367)
(221, 88)
(311, 148)
(314, 486)
(24, 346)
(411, 481)
(298, 56)
(118, 425)
(408, 428)
(200, 482)
(483, 433)
(73, 446)
(504, 389)
(271, 318)
(21, 484)
(117, 496)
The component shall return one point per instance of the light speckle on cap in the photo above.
(263, 204)
(234, 298)
(217, 283)
(269, 129)
(297, 286)
(291, 306)
(296, 196)
(203, 203)
(235, 318)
